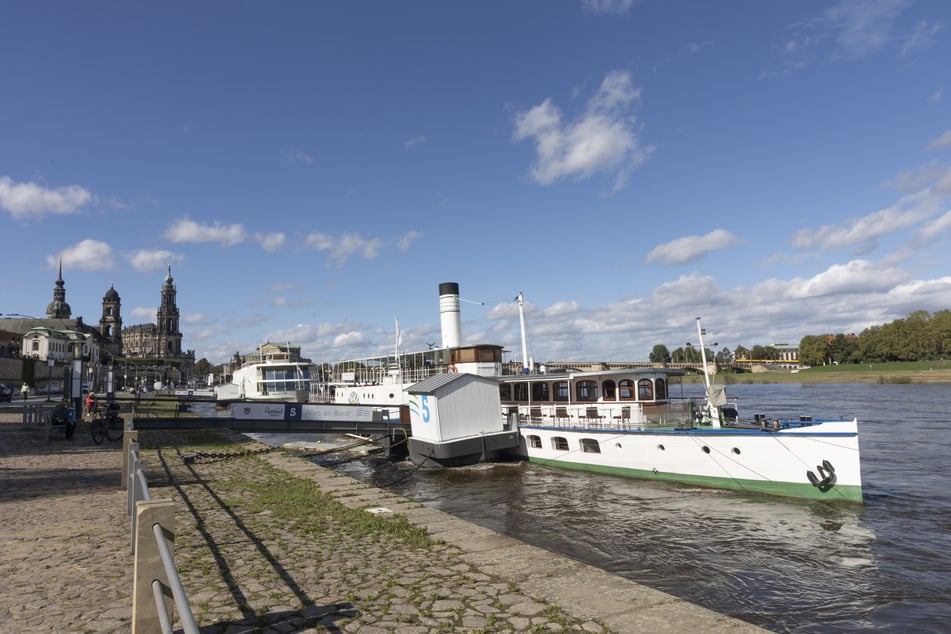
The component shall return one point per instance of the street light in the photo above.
(49, 375)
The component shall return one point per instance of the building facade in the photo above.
(153, 351)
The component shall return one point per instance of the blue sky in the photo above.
(313, 170)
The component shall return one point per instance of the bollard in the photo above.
(148, 566)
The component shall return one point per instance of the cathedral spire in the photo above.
(58, 308)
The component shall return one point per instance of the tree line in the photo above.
(921, 336)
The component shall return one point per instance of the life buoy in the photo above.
(452, 369)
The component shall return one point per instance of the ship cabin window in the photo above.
(490, 355)
(520, 391)
(608, 389)
(661, 387)
(534, 442)
(505, 391)
(561, 391)
(541, 392)
(586, 390)
(645, 390)
(559, 443)
(590, 445)
(626, 389)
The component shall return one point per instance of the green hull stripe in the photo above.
(850, 493)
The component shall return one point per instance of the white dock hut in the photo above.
(457, 419)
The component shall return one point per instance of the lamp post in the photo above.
(76, 380)
(49, 375)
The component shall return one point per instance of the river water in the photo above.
(786, 565)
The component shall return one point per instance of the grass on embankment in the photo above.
(903, 372)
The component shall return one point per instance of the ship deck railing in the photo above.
(630, 416)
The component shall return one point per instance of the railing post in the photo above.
(149, 567)
(138, 492)
(128, 438)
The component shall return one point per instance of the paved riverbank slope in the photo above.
(270, 542)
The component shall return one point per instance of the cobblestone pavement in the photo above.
(64, 547)
(264, 543)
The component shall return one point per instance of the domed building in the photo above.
(143, 353)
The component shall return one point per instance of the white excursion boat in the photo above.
(275, 372)
(634, 422)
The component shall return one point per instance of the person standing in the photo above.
(90, 403)
(25, 390)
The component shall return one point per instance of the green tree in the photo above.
(202, 369)
(871, 347)
(660, 354)
(813, 350)
(842, 348)
(741, 354)
(939, 331)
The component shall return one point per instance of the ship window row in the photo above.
(289, 374)
(560, 443)
(585, 391)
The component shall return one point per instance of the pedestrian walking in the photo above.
(25, 390)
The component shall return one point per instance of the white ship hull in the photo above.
(774, 462)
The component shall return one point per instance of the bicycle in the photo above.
(107, 423)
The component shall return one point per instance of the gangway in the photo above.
(295, 418)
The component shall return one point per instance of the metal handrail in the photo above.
(139, 492)
(175, 582)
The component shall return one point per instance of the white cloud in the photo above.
(271, 242)
(690, 248)
(87, 255)
(416, 141)
(146, 261)
(848, 31)
(145, 313)
(607, 6)
(350, 340)
(189, 231)
(936, 227)
(942, 141)
(922, 37)
(29, 200)
(604, 139)
(869, 228)
(861, 28)
(297, 157)
(407, 239)
(343, 247)
(857, 276)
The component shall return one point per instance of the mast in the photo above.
(703, 357)
(712, 399)
(521, 322)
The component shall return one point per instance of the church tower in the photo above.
(58, 308)
(168, 336)
(110, 324)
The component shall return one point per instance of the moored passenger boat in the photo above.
(634, 422)
(274, 372)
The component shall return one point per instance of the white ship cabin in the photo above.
(272, 372)
(407, 369)
(632, 397)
